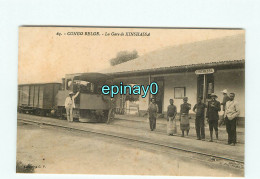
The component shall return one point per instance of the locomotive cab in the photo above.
(90, 105)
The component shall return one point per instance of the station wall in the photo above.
(187, 80)
(232, 79)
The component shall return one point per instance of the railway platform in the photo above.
(163, 121)
(161, 126)
(118, 129)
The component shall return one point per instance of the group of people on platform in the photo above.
(210, 111)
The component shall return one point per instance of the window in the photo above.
(179, 92)
(84, 86)
(69, 84)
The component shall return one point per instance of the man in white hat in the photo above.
(224, 101)
(225, 98)
(231, 114)
(69, 105)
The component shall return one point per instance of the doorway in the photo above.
(159, 96)
(205, 91)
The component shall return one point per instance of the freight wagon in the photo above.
(37, 98)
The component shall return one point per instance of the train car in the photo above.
(37, 98)
(90, 105)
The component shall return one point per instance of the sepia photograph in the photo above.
(131, 101)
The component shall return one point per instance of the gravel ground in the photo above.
(54, 150)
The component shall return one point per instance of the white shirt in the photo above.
(231, 110)
(69, 102)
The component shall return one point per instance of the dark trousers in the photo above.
(200, 127)
(111, 114)
(213, 124)
(231, 127)
(152, 121)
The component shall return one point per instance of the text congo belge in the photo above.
(135, 90)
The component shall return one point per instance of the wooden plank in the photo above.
(48, 96)
(31, 95)
(19, 95)
(36, 96)
(25, 95)
(56, 89)
(41, 89)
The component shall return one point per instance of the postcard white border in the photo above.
(152, 13)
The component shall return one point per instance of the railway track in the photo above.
(221, 159)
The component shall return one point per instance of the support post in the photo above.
(149, 82)
(204, 89)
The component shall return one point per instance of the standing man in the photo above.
(112, 108)
(231, 114)
(171, 113)
(184, 116)
(224, 101)
(212, 115)
(69, 105)
(199, 109)
(152, 114)
(111, 102)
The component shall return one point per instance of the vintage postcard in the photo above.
(131, 101)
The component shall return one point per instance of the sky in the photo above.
(45, 56)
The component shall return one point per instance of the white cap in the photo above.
(71, 93)
(224, 91)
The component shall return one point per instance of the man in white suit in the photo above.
(69, 105)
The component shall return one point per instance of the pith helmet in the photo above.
(213, 94)
(224, 91)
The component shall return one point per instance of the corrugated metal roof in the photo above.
(43, 83)
(214, 51)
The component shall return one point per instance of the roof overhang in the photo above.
(92, 77)
(25, 84)
(180, 69)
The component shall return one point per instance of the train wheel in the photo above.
(42, 112)
(47, 113)
(60, 113)
(105, 118)
(37, 112)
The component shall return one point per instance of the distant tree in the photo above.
(123, 57)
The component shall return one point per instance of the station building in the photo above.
(189, 70)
